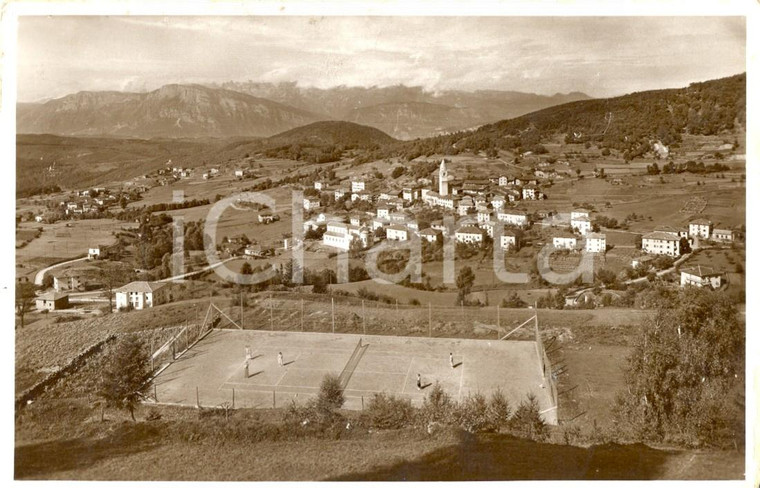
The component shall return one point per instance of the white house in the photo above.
(51, 301)
(142, 294)
(581, 225)
(411, 194)
(357, 185)
(700, 276)
(430, 235)
(596, 242)
(725, 235)
(700, 228)
(564, 241)
(579, 212)
(311, 203)
(484, 215)
(530, 192)
(661, 243)
(93, 253)
(320, 185)
(469, 235)
(397, 233)
(508, 239)
(498, 202)
(513, 217)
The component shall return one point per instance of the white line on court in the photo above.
(406, 378)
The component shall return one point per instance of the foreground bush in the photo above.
(389, 412)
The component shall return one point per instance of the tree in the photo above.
(246, 269)
(513, 301)
(125, 370)
(397, 171)
(111, 276)
(465, 280)
(24, 300)
(685, 376)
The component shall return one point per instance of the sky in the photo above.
(600, 56)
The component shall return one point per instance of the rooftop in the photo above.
(141, 287)
(661, 236)
(701, 271)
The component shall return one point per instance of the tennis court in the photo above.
(213, 371)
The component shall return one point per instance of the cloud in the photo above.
(604, 56)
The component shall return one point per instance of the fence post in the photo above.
(498, 320)
(274, 399)
(364, 319)
(233, 398)
(430, 320)
(332, 308)
(271, 313)
(362, 403)
(152, 367)
(197, 398)
(155, 393)
(302, 315)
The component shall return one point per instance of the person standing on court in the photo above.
(451, 360)
(248, 352)
(279, 358)
(419, 381)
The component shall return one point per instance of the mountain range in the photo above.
(250, 109)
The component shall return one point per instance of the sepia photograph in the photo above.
(377, 244)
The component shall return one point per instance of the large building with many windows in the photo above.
(661, 243)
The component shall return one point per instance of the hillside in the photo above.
(75, 162)
(628, 123)
(346, 134)
(171, 111)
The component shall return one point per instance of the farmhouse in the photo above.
(52, 301)
(700, 276)
(596, 242)
(411, 194)
(530, 192)
(357, 185)
(508, 239)
(581, 224)
(142, 294)
(311, 203)
(513, 217)
(578, 213)
(397, 233)
(661, 243)
(268, 218)
(564, 240)
(725, 235)
(95, 253)
(469, 235)
(430, 235)
(700, 228)
(68, 280)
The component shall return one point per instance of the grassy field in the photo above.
(64, 240)
(119, 450)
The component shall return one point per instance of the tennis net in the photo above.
(353, 361)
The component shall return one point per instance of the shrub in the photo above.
(389, 412)
(499, 410)
(437, 406)
(414, 301)
(527, 421)
(472, 414)
(330, 395)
